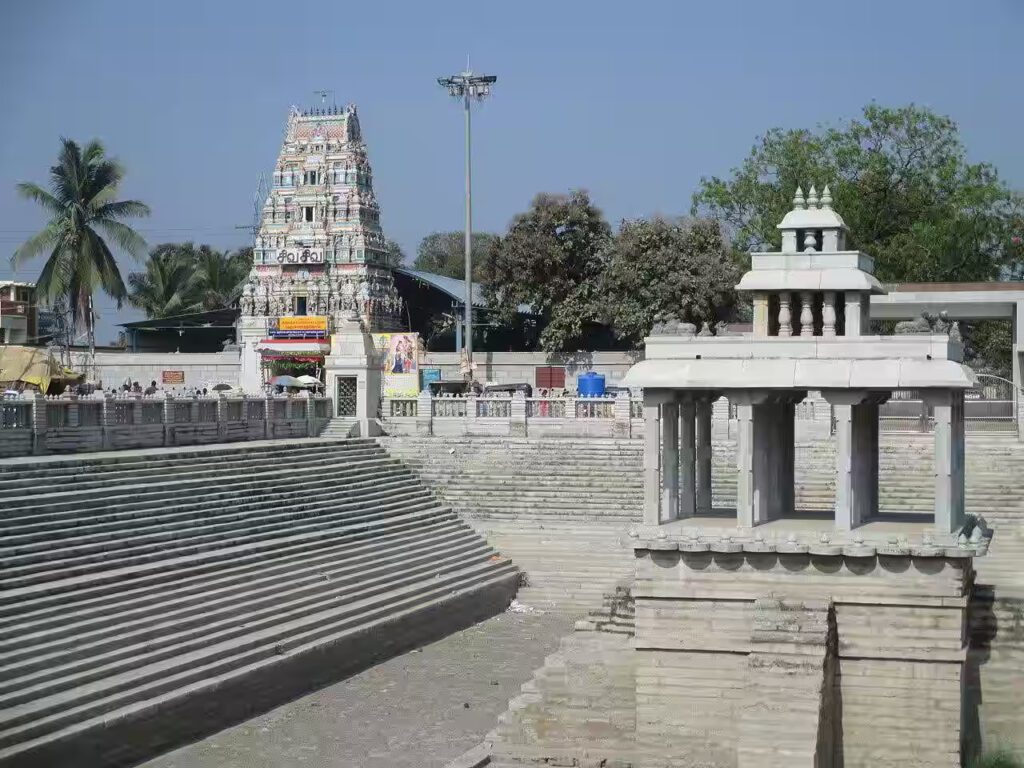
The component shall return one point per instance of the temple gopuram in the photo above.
(319, 256)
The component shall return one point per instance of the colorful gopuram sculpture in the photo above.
(319, 255)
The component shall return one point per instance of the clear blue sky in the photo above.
(631, 101)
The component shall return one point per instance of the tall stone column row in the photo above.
(677, 455)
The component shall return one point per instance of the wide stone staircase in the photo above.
(560, 508)
(149, 598)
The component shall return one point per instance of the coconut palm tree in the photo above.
(164, 288)
(218, 277)
(84, 215)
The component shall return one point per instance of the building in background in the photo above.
(19, 315)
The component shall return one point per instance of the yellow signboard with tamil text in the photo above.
(303, 323)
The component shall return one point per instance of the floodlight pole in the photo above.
(468, 335)
(467, 85)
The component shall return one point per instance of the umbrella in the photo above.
(285, 381)
(221, 387)
(310, 381)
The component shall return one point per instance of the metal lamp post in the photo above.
(468, 86)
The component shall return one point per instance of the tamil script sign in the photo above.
(172, 377)
(302, 327)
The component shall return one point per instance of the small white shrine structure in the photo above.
(810, 332)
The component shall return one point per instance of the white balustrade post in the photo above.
(425, 413)
(222, 416)
(785, 316)
(106, 419)
(74, 417)
(623, 415)
(168, 418)
(806, 313)
(517, 415)
(38, 416)
(828, 314)
(268, 430)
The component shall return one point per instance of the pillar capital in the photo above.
(854, 396)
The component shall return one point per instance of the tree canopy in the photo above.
(444, 253)
(182, 277)
(902, 182)
(667, 266)
(85, 218)
(550, 261)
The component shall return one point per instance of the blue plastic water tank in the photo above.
(590, 384)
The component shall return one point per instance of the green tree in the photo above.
(665, 266)
(444, 253)
(163, 288)
(84, 216)
(550, 261)
(901, 181)
(393, 254)
(218, 277)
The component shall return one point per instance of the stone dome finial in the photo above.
(826, 198)
(798, 200)
(812, 199)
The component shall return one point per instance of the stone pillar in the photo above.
(1017, 364)
(670, 460)
(949, 459)
(745, 465)
(652, 460)
(761, 319)
(704, 456)
(687, 459)
(74, 418)
(106, 417)
(771, 462)
(852, 315)
(856, 415)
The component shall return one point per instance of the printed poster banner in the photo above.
(399, 354)
(172, 377)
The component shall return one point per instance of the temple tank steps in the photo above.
(339, 427)
(155, 597)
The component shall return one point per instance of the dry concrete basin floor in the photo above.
(409, 711)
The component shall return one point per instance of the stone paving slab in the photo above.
(408, 712)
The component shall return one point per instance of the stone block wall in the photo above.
(201, 369)
(899, 647)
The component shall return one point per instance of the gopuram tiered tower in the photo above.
(319, 256)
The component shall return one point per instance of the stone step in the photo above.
(46, 674)
(253, 658)
(199, 466)
(148, 580)
(36, 570)
(50, 499)
(87, 610)
(38, 549)
(51, 527)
